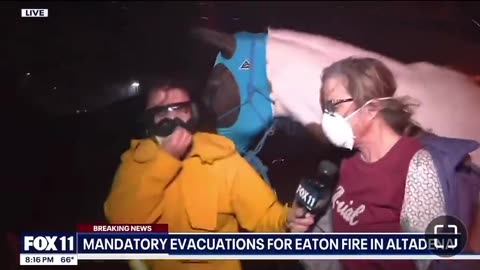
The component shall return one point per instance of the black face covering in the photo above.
(167, 126)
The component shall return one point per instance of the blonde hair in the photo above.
(368, 78)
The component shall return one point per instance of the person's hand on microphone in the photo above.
(178, 143)
(298, 220)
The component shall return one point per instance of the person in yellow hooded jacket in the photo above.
(194, 182)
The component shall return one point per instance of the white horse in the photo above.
(448, 100)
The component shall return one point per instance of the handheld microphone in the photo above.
(313, 193)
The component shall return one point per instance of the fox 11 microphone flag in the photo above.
(146, 242)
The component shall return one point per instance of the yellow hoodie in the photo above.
(213, 190)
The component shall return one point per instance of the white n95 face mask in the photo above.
(338, 129)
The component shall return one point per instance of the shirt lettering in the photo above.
(346, 210)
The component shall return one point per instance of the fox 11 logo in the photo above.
(48, 243)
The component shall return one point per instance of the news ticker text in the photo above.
(55, 249)
(442, 240)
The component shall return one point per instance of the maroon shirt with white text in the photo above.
(369, 198)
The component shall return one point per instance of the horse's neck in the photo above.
(328, 48)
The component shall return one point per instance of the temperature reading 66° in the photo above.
(54, 259)
(67, 259)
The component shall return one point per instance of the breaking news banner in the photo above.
(131, 242)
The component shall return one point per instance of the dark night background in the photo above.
(71, 110)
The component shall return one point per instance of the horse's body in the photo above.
(449, 101)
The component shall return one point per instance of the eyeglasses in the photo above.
(331, 104)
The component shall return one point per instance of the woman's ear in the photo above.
(371, 111)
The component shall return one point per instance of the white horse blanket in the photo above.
(449, 101)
